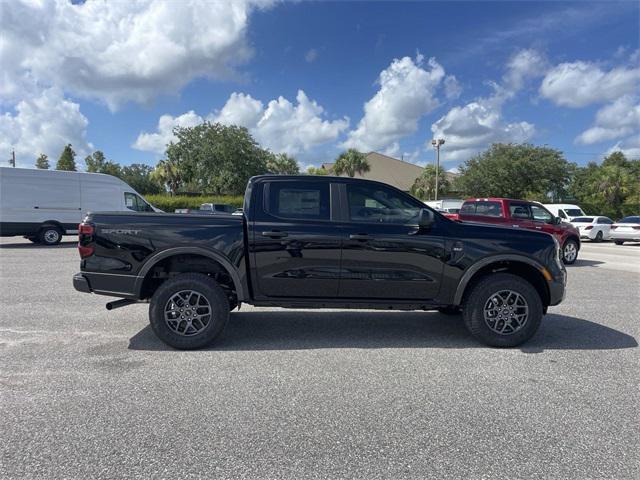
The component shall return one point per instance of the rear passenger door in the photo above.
(520, 215)
(294, 246)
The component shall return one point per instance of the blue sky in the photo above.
(383, 76)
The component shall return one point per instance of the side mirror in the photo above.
(557, 220)
(425, 218)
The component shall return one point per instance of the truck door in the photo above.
(293, 243)
(384, 254)
(520, 216)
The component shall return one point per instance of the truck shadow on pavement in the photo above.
(299, 330)
(584, 263)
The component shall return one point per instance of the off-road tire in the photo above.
(479, 295)
(205, 286)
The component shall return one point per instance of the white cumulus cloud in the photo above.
(616, 120)
(157, 142)
(407, 92)
(473, 127)
(43, 124)
(579, 84)
(629, 146)
(281, 126)
(452, 88)
(120, 51)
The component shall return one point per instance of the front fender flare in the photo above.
(473, 269)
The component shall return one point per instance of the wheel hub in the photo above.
(187, 313)
(506, 312)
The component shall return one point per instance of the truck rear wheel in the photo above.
(50, 235)
(189, 311)
(502, 310)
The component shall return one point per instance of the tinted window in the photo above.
(303, 200)
(562, 215)
(489, 209)
(540, 214)
(574, 212)
(604, 221)
(584, 220)
(630, 220)
(521, 211)
(135, 203)
(376, 204)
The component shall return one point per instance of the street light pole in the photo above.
(436, 144)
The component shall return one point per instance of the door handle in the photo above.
(538, 228)
(359, 236)
(274, 234)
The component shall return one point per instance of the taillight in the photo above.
(589, 227)
(85, 240)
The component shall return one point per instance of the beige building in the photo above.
(390, 170)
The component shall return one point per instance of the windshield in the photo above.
(582, 220)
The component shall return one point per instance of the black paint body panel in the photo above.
(316, 264)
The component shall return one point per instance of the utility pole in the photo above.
(436, 144)
(12, 160)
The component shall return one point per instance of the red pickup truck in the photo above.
(523, 214)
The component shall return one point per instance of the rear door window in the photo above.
(520, 211)
(299, 200)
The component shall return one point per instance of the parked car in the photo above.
(594, 228)
(44, 205)
(318, 242)
(565, 211)
(209, 209)
(523, 214)
(626, 230)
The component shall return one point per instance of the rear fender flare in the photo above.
(226, 264)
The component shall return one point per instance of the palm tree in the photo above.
(167, 173)
(425, 185)
(350, 163)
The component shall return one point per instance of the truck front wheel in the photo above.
(502, 310)
(189, 311)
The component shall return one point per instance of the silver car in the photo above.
(626, 230)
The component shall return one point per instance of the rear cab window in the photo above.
(482, 207)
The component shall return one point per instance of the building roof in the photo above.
(389, 170)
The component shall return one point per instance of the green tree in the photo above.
(317, 171)
(351, 163)
(517, 171)
(42, 162)
(424, 187)
(282, 164)
(169, 175)
(214, 158)
(97, 163)
(67, 160)
(611, 188)
(139, 177)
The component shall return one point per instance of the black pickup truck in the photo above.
(320, 242)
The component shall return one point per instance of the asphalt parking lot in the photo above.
(87, 393)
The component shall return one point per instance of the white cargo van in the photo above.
(565, 211)
(42, 205)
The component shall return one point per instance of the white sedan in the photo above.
(594, 228)
(626, 230)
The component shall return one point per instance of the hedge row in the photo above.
(169, 203)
